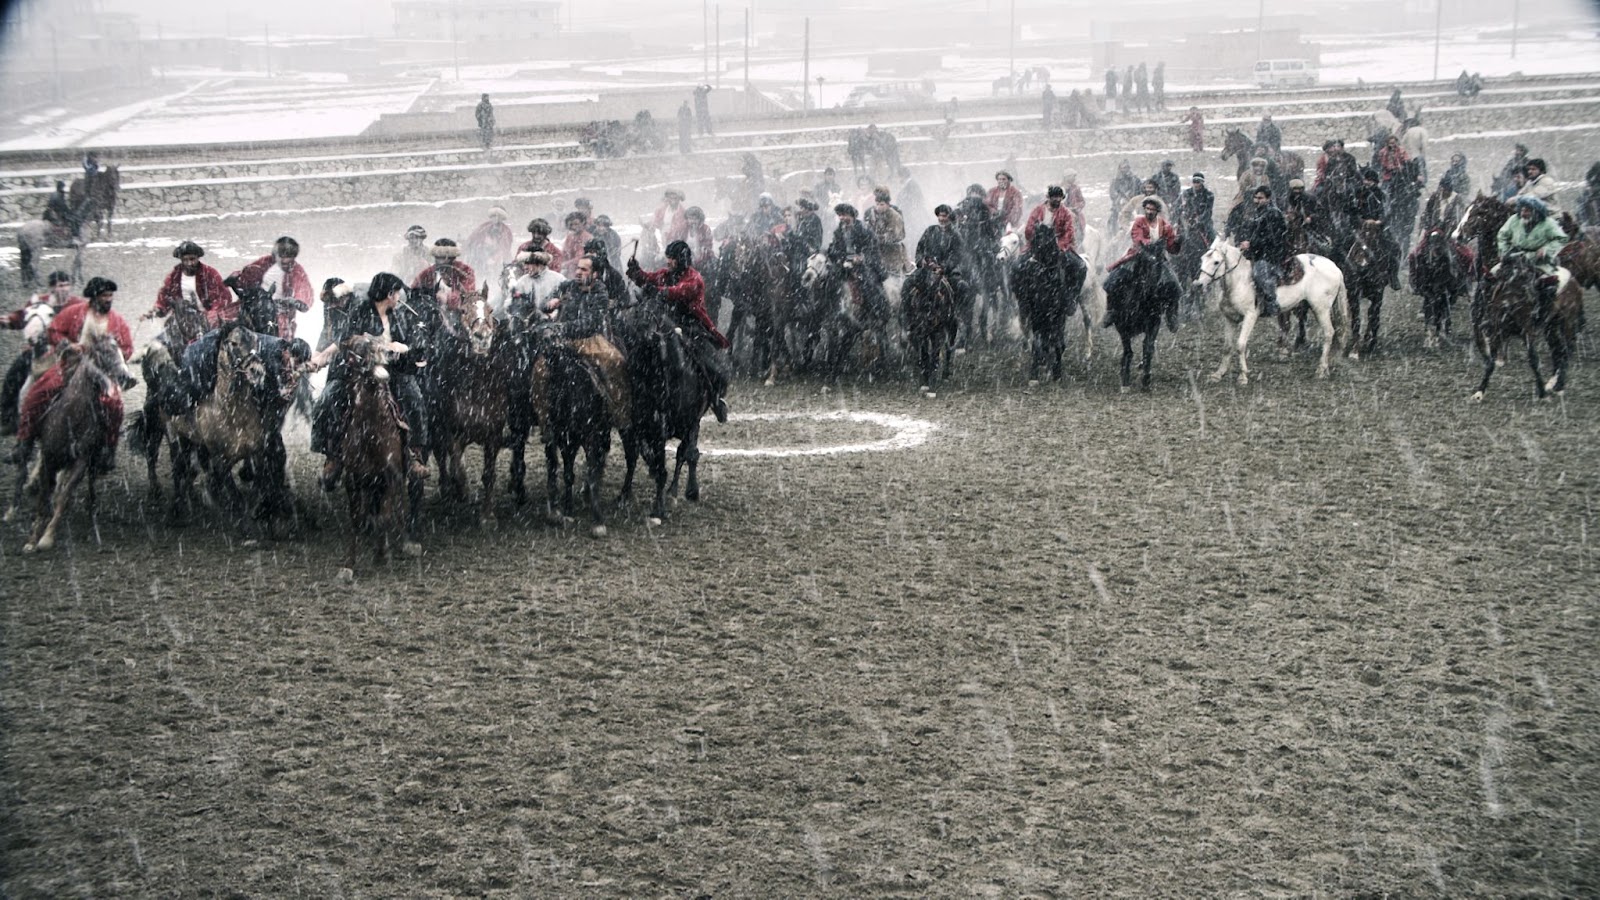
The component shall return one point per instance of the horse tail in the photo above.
(144, 431)
(1341, 316)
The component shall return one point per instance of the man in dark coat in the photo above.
(1196, 211)
(682, 288)
(1167, 184)
(1372, 205)
(1047, 98)
(1269, 134)
(1141, 86)
(685, 126)
(1124, 187)
(855, 244)
(1265, 242)
(485, 116)
(1158, 84)
(702, 108)
(940, 249)
(1111, 87)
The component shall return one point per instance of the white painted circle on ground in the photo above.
(905, 433)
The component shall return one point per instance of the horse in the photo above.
(1581, 255)
(1136, 299)
(755, 274)
(1512, 310)
(1434, 278)
(373, 455)
(929, 306)
(575, 415)
(1405, 198)
(1042, 299)
(185, 323)
(1366, 278)
(37, 236)
(74, 431)
(837, 315)
(1225, 275)
(473, 371)
(96, 198)
(668, 400)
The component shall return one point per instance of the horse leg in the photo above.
(1127, 360)
(1325, 322)
(22, 460)
(1533, 362)
(594, 468)
(1354, 299)
(1374, 310)
(1242, 348)
(655, 460)
(63, 496)
(1230, 339)
(1150, 335)
(43, 508)
(551, 495)
(689, 451)
(25, 263)
(630, 461)
(569, 456)
(1492, 350)
(491, 455)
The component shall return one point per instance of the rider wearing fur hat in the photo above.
(684, 292)
(491, 245)
(1542, 186)
(449, 278)
(73, 325)
(1053, 214)
(539, 239)
(1149, 228)
(33, 320)
(198, 282)
(414, 255)
(577, 224)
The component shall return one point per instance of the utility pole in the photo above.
(1261, 22)
(1438, 24)
(719, 45)
(55, 63)
(1516, 13)
(1011, 39)
(266, 48)
(705, 41)
(805, 76)
(455, 53)
(747, 60)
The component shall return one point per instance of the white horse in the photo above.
(1092, 299)
(1225, 276)
(37, 236)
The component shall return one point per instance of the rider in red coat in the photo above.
(1005, 201)
(281, 267)
(1056, 213)
(1148, 228)
(449, 279)
(68, 325)
(193, 275)
(685, 292)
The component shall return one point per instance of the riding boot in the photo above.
(11, 394)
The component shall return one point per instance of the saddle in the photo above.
(1292, 272)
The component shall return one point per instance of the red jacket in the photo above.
(294, 294)
(68, 326)
(1011, 198)
(451, 283)
(207, 286)
(688, 293)
(700, 241)
(1144, 232)
(672, 224)
(1060, 221)
(492, 242)
(16, 320)
(571, 249)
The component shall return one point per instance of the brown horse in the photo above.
(96, 198)
(1238, 145)
(1481, 225)
(1581, 255)
(75, 431)
(474, 404)
(1512, 310)
(373, 453)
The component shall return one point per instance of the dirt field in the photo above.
(1294, 639)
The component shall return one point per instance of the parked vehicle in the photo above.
(890, 93)
(1278, 73)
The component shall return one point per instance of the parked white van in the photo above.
(1275, 73)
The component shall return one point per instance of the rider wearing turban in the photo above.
(194, 280)
(683, 290)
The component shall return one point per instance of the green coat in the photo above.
(1516, 237)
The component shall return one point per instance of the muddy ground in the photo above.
(1299, 638)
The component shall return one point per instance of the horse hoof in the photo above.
(1033, 382)
(1283, 356)
(654, 521)
(29, 547)
(824, 389)
(346, 575)
(1477, 397)
(1244, 380)
(1322, 372)
(1550, 385)
(598, 531)
(1214, 378)
(770, 382)
(411, 549)
(931, 395)
(10, 516)
(1355, 356)
(45, 543)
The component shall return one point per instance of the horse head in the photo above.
(480, 325)
(239, 356)
(1234, 143)
(1010, 246)
(816, 270)
(1219, 259)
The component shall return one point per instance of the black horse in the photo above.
(1367, 270)
(1437, 278)
(928, 303)
(575, 416)
(1045, 302)
(1137, 294)
(668, 400)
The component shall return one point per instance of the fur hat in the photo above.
(575, 216)
(98, 286)
(540, 257)
(1161, 206)
(1199, 176)
(1538, 163)
(603, 219)
(59, 277)
(1003, 174)
(536, 226)
(944, 209)
(188, 248)
(880, 195)
(845, 209)
(806, 203)
(1055, 191)
(673, 194)
(497, 213)
(695, 212)
(444, 248)
(1296, 183)
(286, 246)
(418, 232)
(1262, 189)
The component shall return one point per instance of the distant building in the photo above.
(476, 21)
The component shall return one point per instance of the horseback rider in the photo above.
(1149, 228)
(1052, 213)
(698, 236)
(1443, 213)
(335, 310)
(854, 244)
(580, 306)
(684, 292)
(808, 225)
(58, 212)
(1264, 241)
(539, 239)
(414, 255)
(1372, 209)
(1075, 204)
(1533, 235)
(1504, 184)
(577, 224)
(766, 217)
(1167, 184)
(531, 294)
(604, 231)
(1197, 209)
(74, 325)
(1541, 185)
(490, 246)
(1268, 133)
(193, 281)
(197, 368)
(449, 279)
(670, 220)
(281, 273)
(1305, 214)
(939, 251)
(889, 227)
(1124, 187)
(33, 320)
(1005, 202)
(604, 272)
(378, 315)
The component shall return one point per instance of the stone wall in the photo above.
(313, 183)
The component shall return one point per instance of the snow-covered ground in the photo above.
(208, 107)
